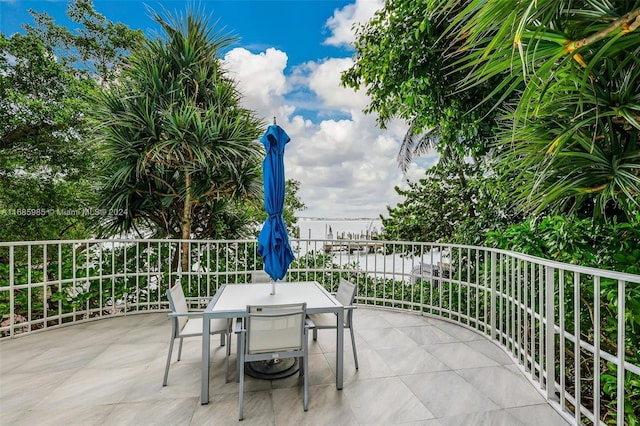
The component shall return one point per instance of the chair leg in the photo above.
(226, 380)
(315, 334)
(166, 369)
(241, 380)
(300, 367)
(353, 345)
(238, 358)
(180, 349)
(305, 379)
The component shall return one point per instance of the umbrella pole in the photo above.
(273, 287)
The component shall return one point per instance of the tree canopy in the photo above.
(402, 61)
(573, 128)
(48, 166)
(180, 148)
(547, 91)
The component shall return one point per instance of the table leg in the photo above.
(206, 341)
(339, 348)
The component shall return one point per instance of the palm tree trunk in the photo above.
(186, 222)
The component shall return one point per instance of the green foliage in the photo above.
(47, 162)
(181, 152)
(455, 202)
(400, 60)
(585, 242)
(572, 133)
(98, 47)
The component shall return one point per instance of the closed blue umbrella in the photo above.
(273, 242)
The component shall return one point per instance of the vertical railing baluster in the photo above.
(621, 354)
(189, 270)
(74, 277)
(45, 279)
(59, 315)
(125, 277)
(159, 275)
(137, 281)
(532, 299)
(113, 278)
(208, 269)
(519, 328)
(514, 305)
(12, 297)
(577, 348)
(550, 348)
(561, 314)
(431, 282)
(30, 289)
(596, 346)
(541, 334)
(525, 306)
(486, 290)
(88, 280)
(477, 293)
(506, 328)
(218, 250)
(493, 295)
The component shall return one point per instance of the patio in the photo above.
(413, 370)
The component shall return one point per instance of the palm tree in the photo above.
(179, 147)
(573, 134)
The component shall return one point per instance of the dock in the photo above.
(352, 247)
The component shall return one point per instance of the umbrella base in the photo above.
(272, 369)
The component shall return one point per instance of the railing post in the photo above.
(620, 354)
(550, 339)
(12, 298)
(494, 295)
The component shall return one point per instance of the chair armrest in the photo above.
(351, 307)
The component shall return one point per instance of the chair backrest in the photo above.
(275, 328)
(346, 292)
(178, 304)
(260, 277)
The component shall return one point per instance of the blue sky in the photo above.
(287, 64)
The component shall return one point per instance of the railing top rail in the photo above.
(630, 278)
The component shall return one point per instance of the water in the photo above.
(379, 264)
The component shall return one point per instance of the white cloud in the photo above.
(347, 166)
(341, 23)
(261, 80)
(323, 78)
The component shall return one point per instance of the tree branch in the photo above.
(628, 22)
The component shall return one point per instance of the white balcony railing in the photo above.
(574, 331)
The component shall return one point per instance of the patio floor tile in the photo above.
(414, 370)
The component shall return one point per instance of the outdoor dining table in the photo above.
(231, 300)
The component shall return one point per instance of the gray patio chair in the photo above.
(189, 324)
(274, 331)
(346, 294)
